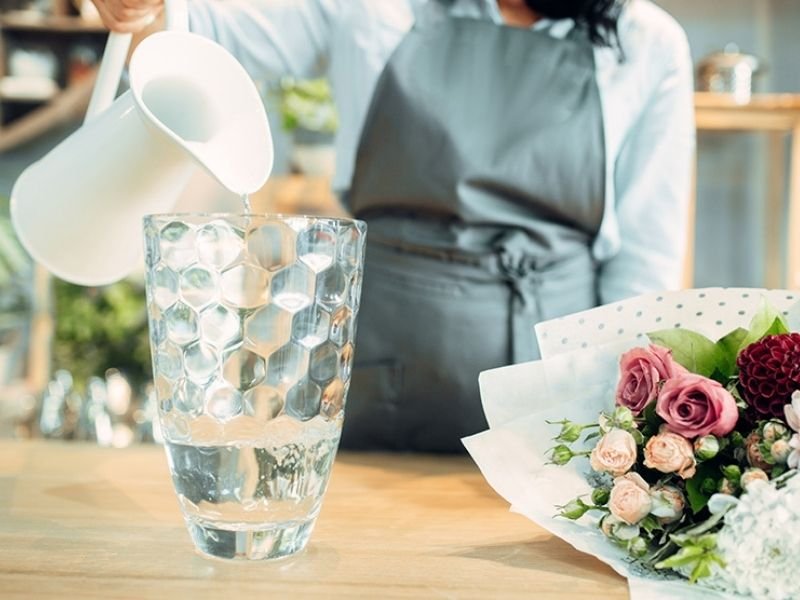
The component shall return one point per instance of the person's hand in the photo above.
(129, 16)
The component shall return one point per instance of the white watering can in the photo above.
(78, 211)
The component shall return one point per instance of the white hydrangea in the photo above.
(760, 542)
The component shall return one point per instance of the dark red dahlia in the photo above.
(769, 371)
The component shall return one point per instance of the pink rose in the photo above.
(615, 453)
(694, 406)
(641, 372)
(668, 503)
(630, 499)
(670, 453)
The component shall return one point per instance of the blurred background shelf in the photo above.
(44, 44)
(778, 117)
(30, 21)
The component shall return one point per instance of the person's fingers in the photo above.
(123, 20)
(141, 3)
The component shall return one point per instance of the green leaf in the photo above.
(696, 486)
(767, 321)
(650, 524)
(692, 350)
(701, 569)
(684, 556)
(651, 419)
(591, 436)
(730, 345)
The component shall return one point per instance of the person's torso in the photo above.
(368, 32)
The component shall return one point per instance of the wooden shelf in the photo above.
(50, 24)
(770, 112)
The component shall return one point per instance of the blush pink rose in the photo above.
(670, 453)
(694, 406)
(615, 453)
(630, 499)
(641, 372)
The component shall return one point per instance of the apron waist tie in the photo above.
(509, 260)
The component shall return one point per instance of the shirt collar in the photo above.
(488, 9)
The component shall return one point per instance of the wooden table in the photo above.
(79, 521)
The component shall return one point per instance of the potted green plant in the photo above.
(102, 328)
(308, 113)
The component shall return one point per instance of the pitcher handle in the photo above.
(176, 14)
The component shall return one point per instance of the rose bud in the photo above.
(623, 417)
(561, 455)
(630, 498)
(726, 486)
(615, 453)
(670, 453)
(751, 475)
(618, 529)
(600, 496)
(780, 451)
(773, 431)
(668, 503)
(637, 547)
(570, 432)
(754, 456)
(574, 509)
(732, 472)
(706, 447)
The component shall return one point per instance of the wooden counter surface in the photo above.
(77, 521)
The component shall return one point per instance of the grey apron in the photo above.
(481, 174)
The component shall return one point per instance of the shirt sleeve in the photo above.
(652, 179)
(269, 37)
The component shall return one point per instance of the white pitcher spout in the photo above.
(79, 209)
(205, 101)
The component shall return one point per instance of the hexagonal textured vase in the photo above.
(252, 327)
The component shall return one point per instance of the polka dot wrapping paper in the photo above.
(710, 311)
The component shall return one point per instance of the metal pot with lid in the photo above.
(729, 72)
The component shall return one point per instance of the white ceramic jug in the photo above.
(78, 210)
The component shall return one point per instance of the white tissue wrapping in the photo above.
(576, 379)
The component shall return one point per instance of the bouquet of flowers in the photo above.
(673, 452)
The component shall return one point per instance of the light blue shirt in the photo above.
(646, 101)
